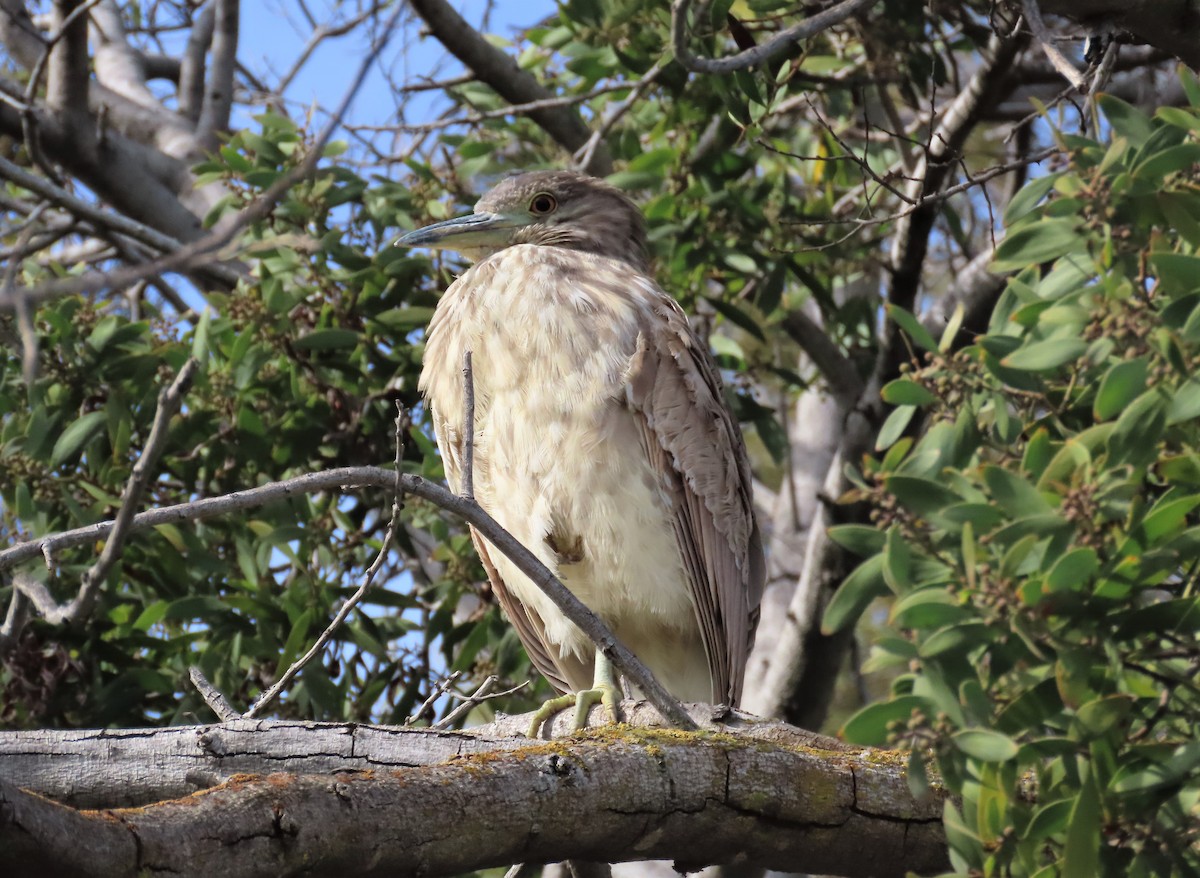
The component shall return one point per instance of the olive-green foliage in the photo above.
(1040, 537)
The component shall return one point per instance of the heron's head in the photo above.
(552, 208)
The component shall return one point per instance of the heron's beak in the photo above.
(476, 231)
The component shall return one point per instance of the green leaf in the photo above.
(984, 745)
(1120, 386)
(863, 585)
(1038, 242)
(1179, 272)
(858, 538)
(1128, 121)
(1135, 438)
(1185, 403)
(1081, 854)
(327, 340)
(1031, 193)
(1149, 778)
(893, 428)
(923, 496)
(927, 608)
(1018, 497)
(916, 775)
(897, 562)
(1042, 355)
(1048, 820)
(1073, 570)
(870, 725)
(403, 319)
(953, 638)
(77, 435)
(912, 327)
(903, 391)
(1097, 717)
(296, 639)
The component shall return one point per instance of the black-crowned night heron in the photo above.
(602, 441)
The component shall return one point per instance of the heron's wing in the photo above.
(690, 437)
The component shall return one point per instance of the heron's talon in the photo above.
(604, 690)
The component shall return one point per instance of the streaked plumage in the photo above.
(602, 440)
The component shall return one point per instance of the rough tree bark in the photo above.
(261, 798)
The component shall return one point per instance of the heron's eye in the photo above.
(543, 203)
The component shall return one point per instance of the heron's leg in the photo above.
(604, 690)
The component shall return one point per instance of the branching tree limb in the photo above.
(517, 86)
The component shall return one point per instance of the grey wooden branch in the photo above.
(369, 800)
(1059, 61)
(835, 367)
(218, 88)
(810, 27)
(358, 477)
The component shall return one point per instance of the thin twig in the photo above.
(435, 693)
(468, 477)
(480, 695)
(585, 155)
(212, 696)
(1033, 14)
(29, 341)
(351, 602)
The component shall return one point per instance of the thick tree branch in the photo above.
(837, 370)
(195, 62)
(517, 86)
(118, 65)
(67, 74)
(218, 89)
(374, 801)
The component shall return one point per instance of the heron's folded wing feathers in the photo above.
(691, 438)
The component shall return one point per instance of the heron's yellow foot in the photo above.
(604, 691)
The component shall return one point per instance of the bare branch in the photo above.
(1033, 14)
(106, 220)
(758, 54)
(496, 68)
(169, 401)
(619, 797)
(195, 61)
(218, 90)
(201, 251)
(118, 65)
(67, 77)
(837, 370)
(212, 696)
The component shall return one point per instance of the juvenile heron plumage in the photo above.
(602, 440)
